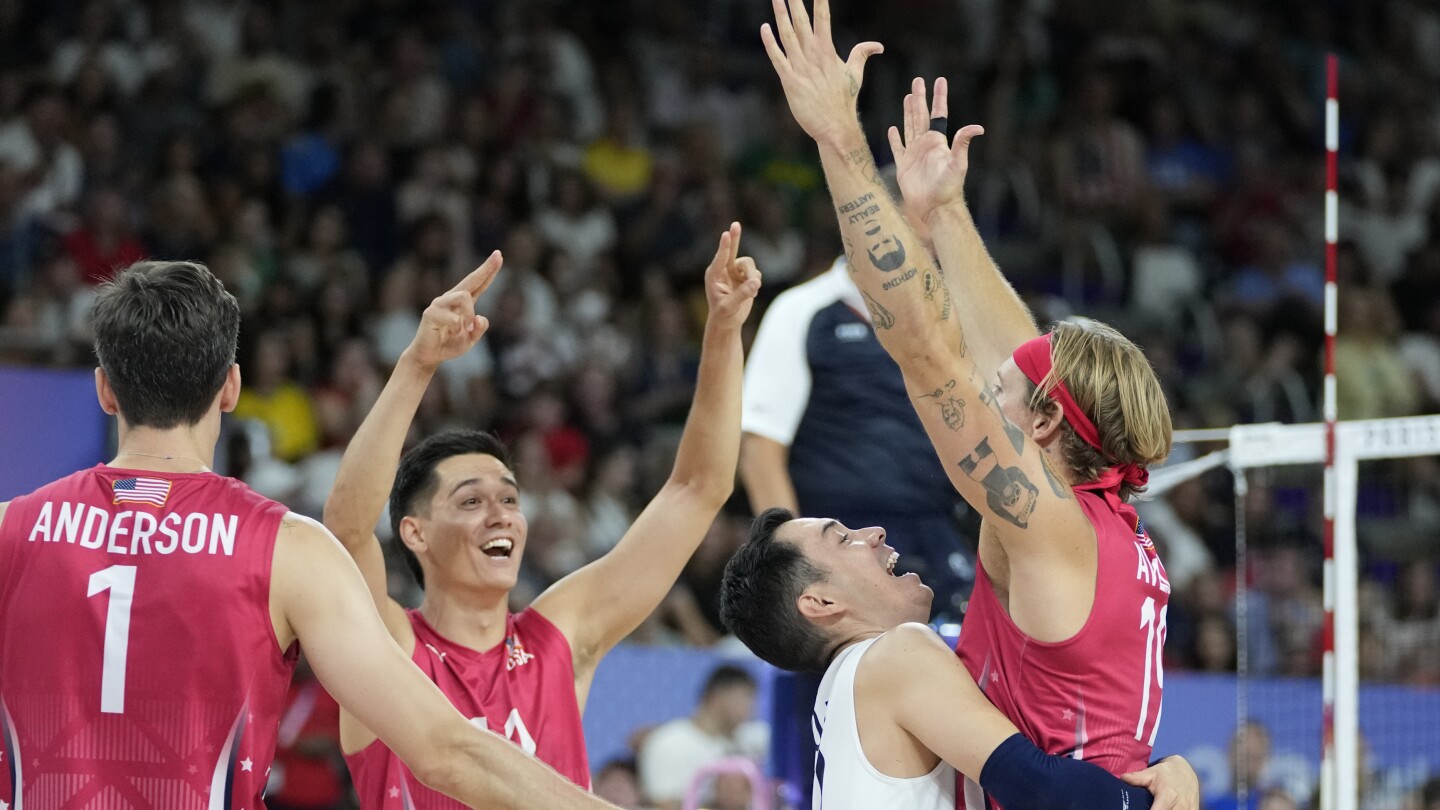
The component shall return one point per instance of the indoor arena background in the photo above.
(1154, 163)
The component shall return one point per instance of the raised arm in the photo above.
(925, 690)
(603, 602)
(448, 329)
(992, 462)
(318, 597)
(931, 173)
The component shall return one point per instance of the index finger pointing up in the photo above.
(480, 278)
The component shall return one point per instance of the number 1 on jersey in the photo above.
(1155, 633)
(119, 580)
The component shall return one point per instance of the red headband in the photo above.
(1034, 359)
(1035, 362)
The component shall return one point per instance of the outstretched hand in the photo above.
(731, 281)
(820, 88)
(929, 167)
(449, 327)
(1171, 781)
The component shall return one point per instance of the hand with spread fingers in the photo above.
(1171, 781)
(731, 281)
(449, 327)
(930, 167)
(820, 88)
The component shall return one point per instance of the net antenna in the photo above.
(1330, 785)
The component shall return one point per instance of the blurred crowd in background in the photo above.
(1154, 163)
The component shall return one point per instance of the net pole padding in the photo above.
(1345, 624)
(1242, 616)
(1332, 793)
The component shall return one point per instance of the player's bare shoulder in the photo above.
(298, 529)
(3, 506)
(899, 653)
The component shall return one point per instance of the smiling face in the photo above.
(860, 579)
(471, 534)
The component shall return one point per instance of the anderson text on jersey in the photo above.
(132, 532)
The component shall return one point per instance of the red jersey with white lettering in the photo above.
(1095, 696)
(522, 689)
(138, 663)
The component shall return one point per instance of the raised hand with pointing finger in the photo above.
(731, 281)
(449, 327)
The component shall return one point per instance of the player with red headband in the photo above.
(1047, 436)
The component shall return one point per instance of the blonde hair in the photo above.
(1115, 386)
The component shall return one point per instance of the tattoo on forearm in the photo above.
(885, 250)
(863, 160)
(952, 408)
(1056, 485)
(1008, 491)
(990, 400)
(935, 286)
(880, 317)
(859, 209)
(854, 86)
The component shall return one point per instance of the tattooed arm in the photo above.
(991, 462)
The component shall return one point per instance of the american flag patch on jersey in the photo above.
(153, 491)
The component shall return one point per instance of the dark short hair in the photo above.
(165, 334)
(726, 676)
(758, 598)
(415, 480)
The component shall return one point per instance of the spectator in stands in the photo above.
(272, 396)
(1249, 759)
(38, 147)
(105, 241)
(618, 782)
(1413, 633)
(722, 726)
(1371, 377)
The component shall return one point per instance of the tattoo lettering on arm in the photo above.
(1008, 491)
(1017, 436)
(866, 163)
(952, 408)
(938, 292)
(859, 209)
(880, 317)
(1056, 485)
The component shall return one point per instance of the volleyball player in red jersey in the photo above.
(454, 505)
(1066, 626)
(150, 609)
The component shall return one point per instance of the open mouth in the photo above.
(499, 548)
(890, 563)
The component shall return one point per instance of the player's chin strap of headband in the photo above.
(1035, 361)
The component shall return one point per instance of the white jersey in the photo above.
(844, 778)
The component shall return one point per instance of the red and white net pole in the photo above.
(1337, 753)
